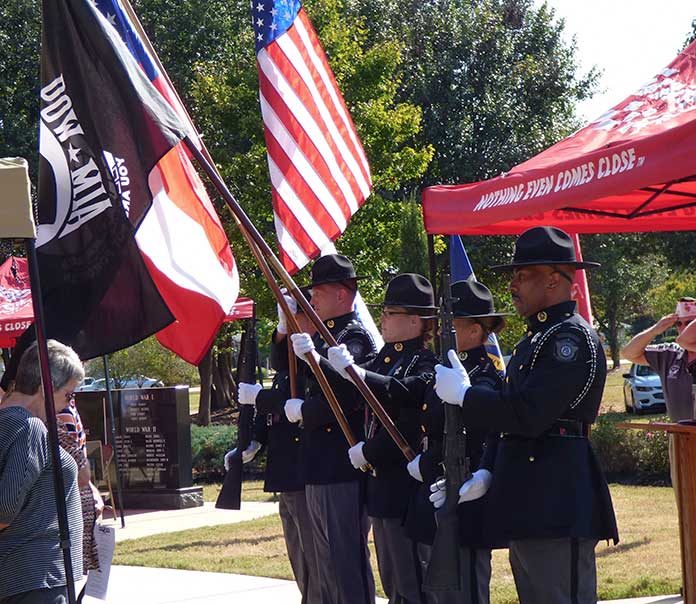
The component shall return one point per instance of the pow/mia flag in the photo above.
(113, 200)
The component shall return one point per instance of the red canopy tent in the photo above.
(631, 170)
(16, 311)
(243, 308)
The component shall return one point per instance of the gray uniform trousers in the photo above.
(554, 571)
(299, 540)
(340, 527)
(479, 592)
(398, 563)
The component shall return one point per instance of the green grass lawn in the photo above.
(646, 562)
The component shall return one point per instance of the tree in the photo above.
(413, 240)
(618, 287)
(150, 359)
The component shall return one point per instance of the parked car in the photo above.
(140, 381)
(643, 391)
(86, 384)
(133, 381)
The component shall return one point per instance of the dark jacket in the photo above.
(480, 446)
(282, 438)
(324, 446)
(546, 479)
(391, 487)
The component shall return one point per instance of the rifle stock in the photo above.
(446, 570)
(230, 497)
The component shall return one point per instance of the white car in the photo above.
(86, 384)
(134, 381)
(643, 391)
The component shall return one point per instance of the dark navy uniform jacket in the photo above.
(546, 479)
(324, 447)
(416, 395)
(391, 487)
(282, 438)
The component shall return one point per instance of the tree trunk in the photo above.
(222, 398)
(614, 340)
(205, 371)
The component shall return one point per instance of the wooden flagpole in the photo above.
(261, 249)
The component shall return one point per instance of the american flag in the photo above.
(319, 173)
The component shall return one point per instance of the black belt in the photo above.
(561, 427)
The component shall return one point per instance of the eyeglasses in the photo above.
(69, 397)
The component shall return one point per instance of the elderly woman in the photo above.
(31, 561)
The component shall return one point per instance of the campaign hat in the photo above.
(544, 245)
(332, 268)
(473, 300)
(412, 292)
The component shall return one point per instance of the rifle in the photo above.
(230, 497)
(446, 567)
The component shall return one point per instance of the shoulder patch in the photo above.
(566, 349)
(356, 348)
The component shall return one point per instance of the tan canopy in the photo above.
(16, 218)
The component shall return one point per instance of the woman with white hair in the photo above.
(31, 560)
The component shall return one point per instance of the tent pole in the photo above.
(112, 419)
(59, 484)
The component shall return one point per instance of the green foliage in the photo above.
(151, 359)
(413, 240)
(20, 28)
(638, 454)
(618, 287)
(208, 447)
(662, 299)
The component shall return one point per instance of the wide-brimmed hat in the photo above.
(544, 245)
(332, 268)
(412, 292)
(473, 300)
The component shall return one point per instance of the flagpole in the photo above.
(254, 239)
(112, 419)
(251, 233)
(49, 404)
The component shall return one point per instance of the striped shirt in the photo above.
(30, 555)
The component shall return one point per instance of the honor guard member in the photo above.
(548, 495)
(407, 325)
(334, 488)
(283, 440)
(474, 319)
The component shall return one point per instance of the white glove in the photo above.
(247, 455)
(247, 393)
(452, 383)
(293, 409)
(302, 344)
(413, 468)
(439, 493)
(282, 319)
(356, 456)
(340, 359)
(476, 487)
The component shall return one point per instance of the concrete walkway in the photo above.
(136, 585)
(144, 523)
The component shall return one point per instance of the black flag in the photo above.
(103, 128)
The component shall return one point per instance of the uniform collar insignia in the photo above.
(550, 316)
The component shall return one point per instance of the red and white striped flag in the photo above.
(319, 173)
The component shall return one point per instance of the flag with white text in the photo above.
(128, 242)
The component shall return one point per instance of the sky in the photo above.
(629, 40)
